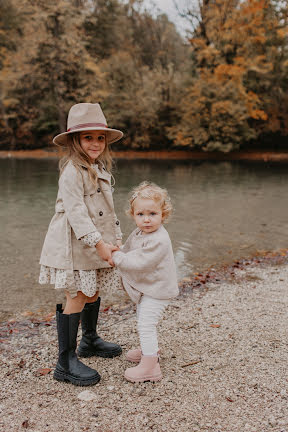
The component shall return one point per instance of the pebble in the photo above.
(272, 421)
(86, 395)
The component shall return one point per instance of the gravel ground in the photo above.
(224, 361)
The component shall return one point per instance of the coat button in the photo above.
(100, 213)
(117, 222)
(98, 190)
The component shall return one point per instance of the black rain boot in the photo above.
(69, 368)
(91, 344)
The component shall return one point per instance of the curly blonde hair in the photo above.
(76, 154)
(152, 191)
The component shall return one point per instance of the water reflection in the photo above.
(222, 211)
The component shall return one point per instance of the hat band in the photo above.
(86, 125)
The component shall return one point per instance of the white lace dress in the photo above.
(87, 281)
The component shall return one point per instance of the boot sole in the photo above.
(107, 354)
(59, 376)
(144, 379)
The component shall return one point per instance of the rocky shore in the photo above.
(224, 345)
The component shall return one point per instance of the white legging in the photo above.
(149, 311)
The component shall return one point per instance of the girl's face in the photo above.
(147, 215)
(93, 143)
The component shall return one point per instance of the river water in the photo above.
(223, 211)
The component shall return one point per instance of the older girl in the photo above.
(147, 267)
(76, 254)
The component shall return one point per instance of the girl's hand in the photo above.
(105, 250)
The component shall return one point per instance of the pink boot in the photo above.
(147, 370)
(134, 355)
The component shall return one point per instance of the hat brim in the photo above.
(112, 135)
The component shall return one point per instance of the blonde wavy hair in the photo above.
(152, 191)
(77, 155)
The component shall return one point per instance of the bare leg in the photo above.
(92, 299)
(75, 304)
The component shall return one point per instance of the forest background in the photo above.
(224, 87)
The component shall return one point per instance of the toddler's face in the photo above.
(147, 214)
(93, 143)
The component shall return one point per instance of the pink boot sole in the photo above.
(151, 378)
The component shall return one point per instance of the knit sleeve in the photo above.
(140, 259)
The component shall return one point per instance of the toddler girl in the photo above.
(147, 267)
(76, 254)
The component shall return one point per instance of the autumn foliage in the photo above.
(238, 83)
(222, 88)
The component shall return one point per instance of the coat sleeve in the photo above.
(72, 192)
(142, 259)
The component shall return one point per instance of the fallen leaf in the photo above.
(25, 424)
(21, 363)
(27, 313)
(191, 363)
(215, 325)
(229, 399)
(42, 371)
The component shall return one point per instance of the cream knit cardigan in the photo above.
(146, 264)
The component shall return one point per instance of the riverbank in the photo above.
(224, 360)
(257, 156)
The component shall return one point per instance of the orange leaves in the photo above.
(235, 53)
(234, 72)
(221, 108)
(253, 7)
(282, 32)
(253, 102)
(258, 115)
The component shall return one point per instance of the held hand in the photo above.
(113, 249)
(105, 251)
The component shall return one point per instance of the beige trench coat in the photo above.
(81, 208)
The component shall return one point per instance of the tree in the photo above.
(61, 71)
(105, 51)
(10, 33)
(234, 46)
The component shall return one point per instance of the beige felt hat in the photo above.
(84, 117)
